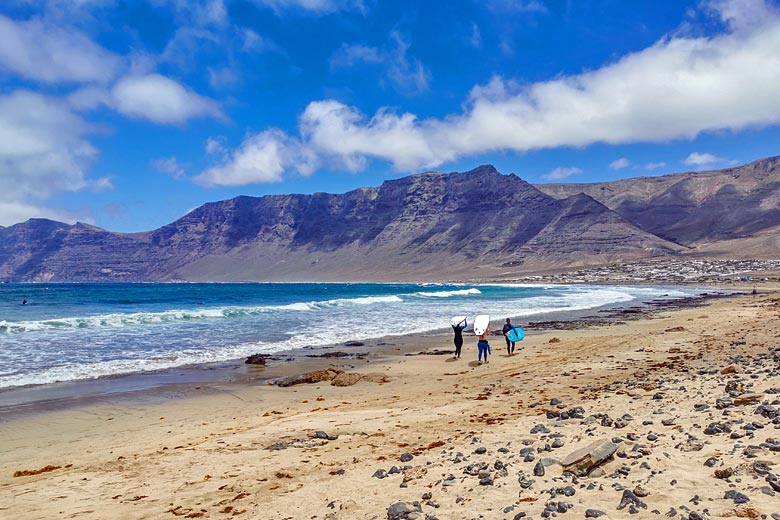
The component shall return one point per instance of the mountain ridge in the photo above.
(460, 225)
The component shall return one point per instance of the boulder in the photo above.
(582, 461)
(257, 359)
(346, 379)
(315, 376)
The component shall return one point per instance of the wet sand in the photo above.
(458, 433)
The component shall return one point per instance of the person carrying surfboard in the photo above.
(510, 345)
(483, 347)
(458, 329)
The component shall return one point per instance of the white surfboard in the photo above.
(481, 324)
(458, 320)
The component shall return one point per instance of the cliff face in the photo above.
(430, 226)
(696, 207)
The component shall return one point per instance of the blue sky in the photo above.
(127, 114)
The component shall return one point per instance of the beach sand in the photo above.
(448, 433)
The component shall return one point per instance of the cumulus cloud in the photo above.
(677, 88)
(37, 50)
(619, 164)
(654, 166)
(261, 158)
(160, 99)
(169, 165)
(43, 152)
(702, 159)
(562, 172)
(405, 73)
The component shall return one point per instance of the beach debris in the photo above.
(31, 472)
(584, 460)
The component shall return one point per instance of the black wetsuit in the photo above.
(458, 339)
(510, 345)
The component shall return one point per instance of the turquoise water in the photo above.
(82, 331)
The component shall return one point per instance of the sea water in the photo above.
(68, 332)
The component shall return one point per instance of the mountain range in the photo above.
(478, 224)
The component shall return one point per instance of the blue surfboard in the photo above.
(516, 334)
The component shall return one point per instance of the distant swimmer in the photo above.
(24, 302)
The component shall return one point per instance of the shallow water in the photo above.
(69, 332)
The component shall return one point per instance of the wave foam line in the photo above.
(118, 320)
(449, 294)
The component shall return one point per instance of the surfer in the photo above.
(483, 347)
(458, 329)
(510, 345)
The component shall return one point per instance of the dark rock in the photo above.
(717, 428)
(380, 474)
(402, 510)
(354, 343)
(481, 450)
(257, 359)
(736, 496)
(539, 469)
(594, 513)
(629, 498)
(487, 481)
(406, 457)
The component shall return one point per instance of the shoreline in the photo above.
(188, 380)
(450, 439)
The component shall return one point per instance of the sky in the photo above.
(127, 114)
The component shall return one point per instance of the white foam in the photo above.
(449, 294)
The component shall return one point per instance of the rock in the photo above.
(736, 496)
(717, 428)
(582, 461)
(324, 435)
(487, 481)
(710, 462)
(731, 369)
(315, 376)
(640, 491)
(690, 445)
(481, 450)
(734, 388)
(403, 510)
(630, 499)
(554, 340)
(406, 457)
(353, 343)
(380, 474)
(594, 513)
(724, 473)
(346, 379)
(747, 399)
(257, 359)
(539, 469)
(376, 378)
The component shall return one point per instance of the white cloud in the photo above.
(40, 51)
(43, 153)
(619, 164)
(161, 100)
(170, 166)
(675, 89)
(314, 6)
(215, 145)
(221, 77)
(253, 42)
(654, 165)
(702, 159)
(15, 212)
(562, 172)
(349, 55)
(476, 36)
(407, 74)
(261, 158)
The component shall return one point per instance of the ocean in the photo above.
(69, 332)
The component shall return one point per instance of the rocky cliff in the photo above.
(430, 226)
(694, 208)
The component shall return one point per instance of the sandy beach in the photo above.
(674, 416)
